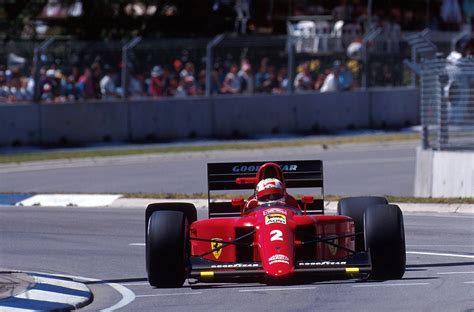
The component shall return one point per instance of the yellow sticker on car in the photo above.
(352, 270)
(275, 218)
(216, 247)
(207, 274)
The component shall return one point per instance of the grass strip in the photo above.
(186, 196)
(52, 155)
(390, 198)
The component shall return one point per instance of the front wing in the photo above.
(211, 271)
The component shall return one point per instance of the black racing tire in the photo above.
(354, 207)
(167, 248)
(187, 208)
(385, 241)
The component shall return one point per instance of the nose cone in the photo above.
(276, 242)
(278, 265)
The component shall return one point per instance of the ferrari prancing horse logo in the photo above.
(216, 247)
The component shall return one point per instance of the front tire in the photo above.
(385, 240)
(354, 207)
(167, 251)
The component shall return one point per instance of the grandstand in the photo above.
(63, 50)
(152, 71)
(88, 20)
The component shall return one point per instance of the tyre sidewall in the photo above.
(385, 240)
(167, 248)
(354, 207)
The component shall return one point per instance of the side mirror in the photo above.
(252, 180)
(307, 199)
(237, 202)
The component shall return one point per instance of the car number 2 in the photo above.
(276, 235)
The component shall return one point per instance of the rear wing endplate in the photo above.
(297, 174)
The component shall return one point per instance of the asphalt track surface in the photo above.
(349, 169)
(106, 244)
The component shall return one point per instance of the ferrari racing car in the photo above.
(270, 236)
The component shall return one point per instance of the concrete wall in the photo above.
(396, 109)
(444, 173)
(170, 119)
(222, 116)
(83, 122)
(19, 124)
(348, 110)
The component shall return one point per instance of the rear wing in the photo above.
(297, 174)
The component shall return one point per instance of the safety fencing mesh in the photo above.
(447, 104)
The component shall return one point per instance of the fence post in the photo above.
(413, 61)
(366, 67)
(370, 35)
(443, 122)
(209, 59)
(291, 63)
(459, 36)
(37, 64)
(419, 44)
(127, 46)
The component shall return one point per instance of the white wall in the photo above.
(444, 173)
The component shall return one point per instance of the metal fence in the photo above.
(60, 70)
(447, 103)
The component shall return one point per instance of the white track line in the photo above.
(136, 244)
(469, 282)
(390, 285)
(276, 289)
(449, 273)
(174, 294)
(127, 297)
(441, 245)
(136, 284)
(440, 254)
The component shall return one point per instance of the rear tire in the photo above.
(167, 248)
(385, 240)
(354, 207)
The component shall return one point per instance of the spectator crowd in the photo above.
(183, 77)
(179, 79)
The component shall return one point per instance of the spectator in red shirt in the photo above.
(177, 66)
(86, 85)
(157, 83)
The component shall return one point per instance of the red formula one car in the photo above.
(272, 237)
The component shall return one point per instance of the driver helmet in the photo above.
(270, 190)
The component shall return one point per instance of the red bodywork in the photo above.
(273, 240)
(277, 241)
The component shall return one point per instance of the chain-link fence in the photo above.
(447, 103)
(63, 70)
